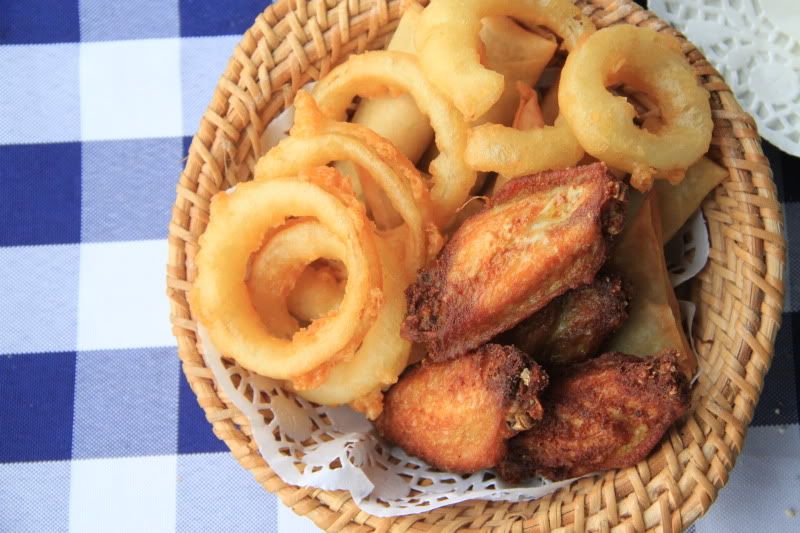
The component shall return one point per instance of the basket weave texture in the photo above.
(739, 295)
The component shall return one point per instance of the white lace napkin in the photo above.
(755, 44)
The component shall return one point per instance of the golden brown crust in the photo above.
(608, 412)
(571, 328)
(458, 414)
(538, 237)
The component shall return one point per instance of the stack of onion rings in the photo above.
(294, 222)
(238, 223)
(603, 123)
(382, 355)
(317, 140)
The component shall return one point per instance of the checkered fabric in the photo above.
(99, 430)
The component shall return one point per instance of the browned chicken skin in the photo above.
(605, 413)
(571, 328)
(538, 237)
(458, 414)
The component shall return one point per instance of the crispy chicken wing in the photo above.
(607, 412)
(458, 414)
(538, 237)
(571, 328)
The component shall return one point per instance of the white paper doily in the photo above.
(335, 448)
(687, 252)
(755, 44)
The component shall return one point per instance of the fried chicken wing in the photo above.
(458, 414)
(538, 237)
(571, 328)
(605, 413)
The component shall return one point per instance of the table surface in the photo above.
(100, 431)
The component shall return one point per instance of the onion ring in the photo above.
(512, 152)
(447, 44)
(316, 140)
(508, 150)
(238, 222)
(383, 72)
(603, 123)
(382, 355)
(278, 265)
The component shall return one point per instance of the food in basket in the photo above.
(538, 237)
(385, 73)
(276, 268)
(572, 327)
(447, 44)
(604, 123)
(323, 279)
(458, 414)
(604, 413)
(678, 202)
(317, 140)
(238, 222)
(654, 321)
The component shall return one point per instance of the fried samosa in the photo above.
(605, 413)
(654, 321)
(458, 414)
(538, 237)
(571, 328)
(678, 202)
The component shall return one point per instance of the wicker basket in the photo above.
(739, 294)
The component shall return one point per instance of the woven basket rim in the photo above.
(739, 295)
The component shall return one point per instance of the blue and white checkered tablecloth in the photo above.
(98, 428)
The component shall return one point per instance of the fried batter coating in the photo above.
(538, 237)
(458, 414)
(571, 328)
(605, 413)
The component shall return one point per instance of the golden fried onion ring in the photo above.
(384, 72)
(512, 152)
(528, 130)
(447, 44)
(382, 355)
(238, 223)
(279, 265)
(603, 123)
(317, 140)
